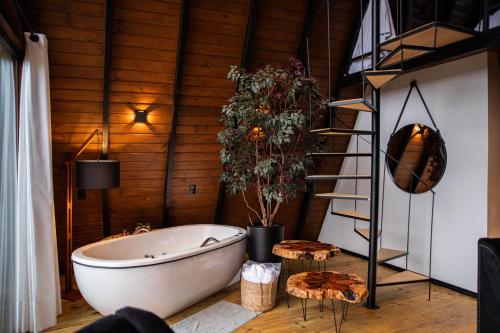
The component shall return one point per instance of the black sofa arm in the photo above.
(488, 306)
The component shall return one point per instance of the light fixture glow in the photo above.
(141, 116)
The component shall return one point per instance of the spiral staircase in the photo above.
(407, 46)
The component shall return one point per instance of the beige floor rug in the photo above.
(222, 317)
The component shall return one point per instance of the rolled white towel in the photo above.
(261, 273)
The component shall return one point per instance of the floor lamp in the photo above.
(90, 174)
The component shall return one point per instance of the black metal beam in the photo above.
(179, 67)
(108, 42)
(245, 58)
(371, 302)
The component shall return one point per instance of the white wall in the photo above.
(457, 96)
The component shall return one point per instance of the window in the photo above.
(361, 55)
(8, 172)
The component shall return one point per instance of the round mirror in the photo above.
(416, 158)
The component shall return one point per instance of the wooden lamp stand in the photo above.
(69, 293)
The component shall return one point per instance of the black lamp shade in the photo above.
(97, 175)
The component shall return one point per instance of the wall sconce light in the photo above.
(419, 129)
(141, 116)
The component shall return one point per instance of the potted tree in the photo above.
(264, 143)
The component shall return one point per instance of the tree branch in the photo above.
(250, 207)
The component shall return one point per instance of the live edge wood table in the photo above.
(347, 288)
(305, 251)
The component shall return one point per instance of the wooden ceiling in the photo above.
(145, 57)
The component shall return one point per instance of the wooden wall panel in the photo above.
(75, 33)
(277, 35)
(144, 49)
(145, 37)
(214, 41)
(278, 27)
(342, 14)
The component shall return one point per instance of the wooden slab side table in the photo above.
(347, 288)
(305, 251)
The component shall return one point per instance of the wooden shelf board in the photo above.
(334, 195)
(424, 36)
(385, 254)
(365, 232)
(340, 131)
(402, 278)
(354, 214)
(358, 104)
(395, 57)
(380, 78)
(331, 177)
(339, 154)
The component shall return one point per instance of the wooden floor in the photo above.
(403, 308)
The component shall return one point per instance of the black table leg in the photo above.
(303, 302)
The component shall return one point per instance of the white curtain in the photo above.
(37, 273)
(8, 173)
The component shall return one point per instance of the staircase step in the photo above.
(359, 104)
(339, 154)
(340, 131)
(365, 232)
(353, 214)
(385, 254)
(404, 53)
(380, 78)
(334, 195)
(330, 177)
(403, 277)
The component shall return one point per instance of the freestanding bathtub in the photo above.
(163, 271)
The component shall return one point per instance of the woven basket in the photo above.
(258, 297)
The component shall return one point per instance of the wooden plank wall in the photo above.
(275, 43)
(143, 67)
(145, 35)
(278, 26)
(214, 41)
(75, 32)
(342, 14)
(144, 48)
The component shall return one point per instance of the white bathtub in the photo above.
(115, 273)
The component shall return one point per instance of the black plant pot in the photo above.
(261, 241)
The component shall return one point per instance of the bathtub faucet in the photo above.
(209, 240)
(141, 228)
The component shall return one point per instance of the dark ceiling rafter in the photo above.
(245, 58)
(179, 67)
(311, 13)
(445, 9)
(346, 57)
(12, 40)
(108, 43)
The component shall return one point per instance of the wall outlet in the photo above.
(192, 189)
